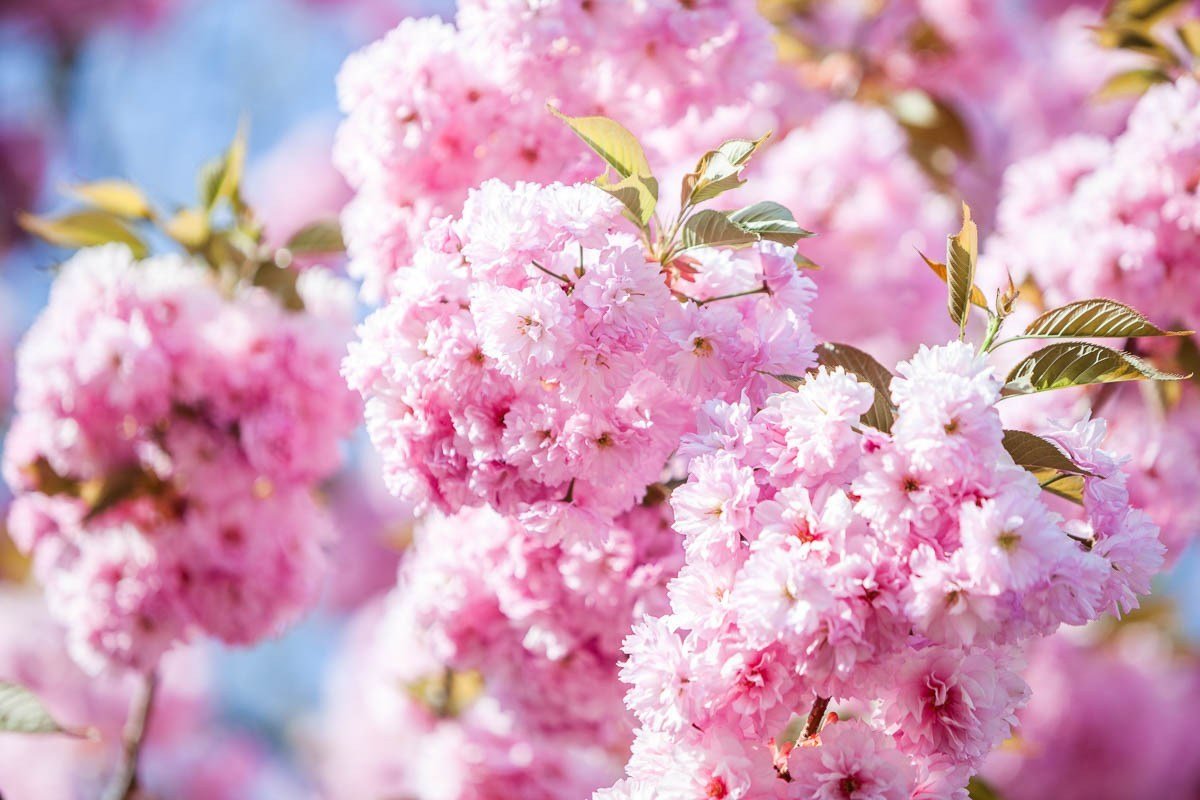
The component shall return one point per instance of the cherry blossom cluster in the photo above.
(167, 439)
(541, 623)
(400, 723)
(534, 352)
(434, 109)
(1120, 218)
(897, 574)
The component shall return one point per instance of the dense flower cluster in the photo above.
(542, 623)
(165, 448)
(1107, 721)
(1120, 219)
(399, 723)
(534, 353)
(1093, 217)
(895, 573)
(434, 109)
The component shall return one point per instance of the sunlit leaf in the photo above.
(962, 253)
(939, 269)
(769, 220)
(22, 712)
(1139, 39)
(1131, 83)
(116, 197)
(115, 487)
(611, 141)
(709, 228)
(221, 179)
(1143, 12)
(719, 170)
(1097, 318)
(84, 229)
(323, 236)
(805, 263)
(1065, 364)
(1189, 34)
(638, 193)
(189, 227)
(979, 789)
(1034, 453)
(1061, 484)
(448, 693)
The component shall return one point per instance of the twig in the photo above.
(760, 290)
(815, 717)
(124, 783)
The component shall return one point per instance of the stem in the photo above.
(993, 328)
(562, 278)
(124, 783)
(760, 290)
(815, 718)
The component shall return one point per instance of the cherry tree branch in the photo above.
(815, 717)
(124, 783)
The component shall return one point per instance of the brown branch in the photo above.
(124, 783)
(815, 718)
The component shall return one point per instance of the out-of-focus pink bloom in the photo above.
(195, 427)
(1107, 721)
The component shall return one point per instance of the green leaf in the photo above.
(1034, 453)
(638, 193)
(84, 229)
(611, 141)
(939, 269)
(1098, 318)
(323, 236)
(962, 253)
(115, 487)
(221, 179)
(449, 693)
(805, 263)
(769, 220)
(22, 712)
(719, 170)
(189, 227)
(1144, 12)
(208, 182)
(281, 282)
(1189, 33)
(1061, 484)
(116, 197)
(979, 789)
(1065, 364)
(1131, 83)
(1137, 38)
(709, 228)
